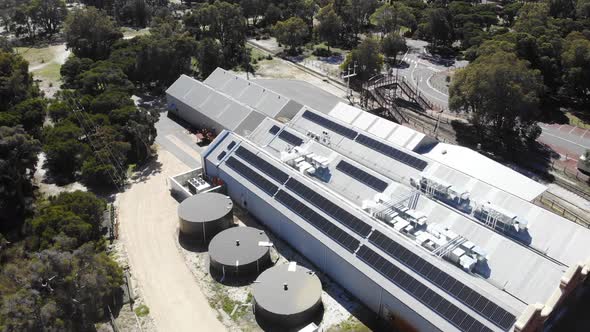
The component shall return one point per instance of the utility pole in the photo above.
(350, 72)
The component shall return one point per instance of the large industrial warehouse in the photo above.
(425, 234)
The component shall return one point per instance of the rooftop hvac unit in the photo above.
(444, 191)
(495, 216)
(197, 185)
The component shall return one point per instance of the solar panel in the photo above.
(331, 209)
(221, 155)
(290, 138)
(274, 130)
(454, 315)
(231, 145)
(444, 281)
(346, 240)
(329, 124)
(361, 176)
(392, 152)
(256, 179)
(263, 165)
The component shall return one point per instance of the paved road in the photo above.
(173, 137)
(566, 139)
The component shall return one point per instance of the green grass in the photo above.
(352, 324)
(35, 56)
(142, 310)
(50, 72)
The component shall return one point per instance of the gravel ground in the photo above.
(148, 229)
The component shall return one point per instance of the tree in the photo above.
(291, 32)
(253, 9)
(17, 84)
(18, 160)
(367, 59)
(222, 21)
(167, 51)
(63, 149)
(48, 14)
(71, 70)
(437, 27)
(208, 56)
(391, 17)
(583, 9)
(576, 63)
(392, 45)
(31, 114)
(501, 93)
(94, 40)
(329, 25)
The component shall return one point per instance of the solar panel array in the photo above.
(454, 315)
(331, 209)
(274, 130)
(256, 179)
(221, 155)
(361, 176)
(392, 152)
(346, 240)
(333, 126)
(262, 165)
(231, 145)
(290, 138)
(444, 281)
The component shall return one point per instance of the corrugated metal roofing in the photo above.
(483, 168)
(213, 104)
(250, 93)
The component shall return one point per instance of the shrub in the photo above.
(322, 52)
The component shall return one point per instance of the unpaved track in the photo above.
(148, 229)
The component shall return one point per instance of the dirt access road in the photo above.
(148, 229)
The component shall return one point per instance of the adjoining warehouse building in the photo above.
(425, 239)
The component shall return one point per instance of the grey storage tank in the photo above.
(287, 296)
(204, 215)
(241, 252)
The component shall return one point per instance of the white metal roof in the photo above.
(215, 105)
(503, 275)
(483, 168)
(380, 127)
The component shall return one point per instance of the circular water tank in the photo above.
(287, 295)
(204, 215)
(239, 251)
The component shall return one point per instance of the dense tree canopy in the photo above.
(18, 160)
(291, 32)
(59, 277)
(391, 17)
(367, 58)
(93, 40)
(329, 25)
(501, 93)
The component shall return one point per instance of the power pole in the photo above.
(350, 72)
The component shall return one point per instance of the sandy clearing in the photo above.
(148, 229)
